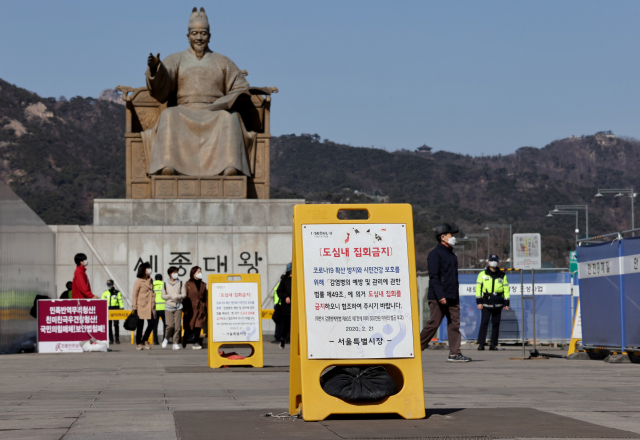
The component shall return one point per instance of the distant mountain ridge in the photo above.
(59, 155)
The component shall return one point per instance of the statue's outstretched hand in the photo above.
(153, 62)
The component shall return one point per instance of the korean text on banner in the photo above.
(357, 293)
(64, 323)
(236, 312)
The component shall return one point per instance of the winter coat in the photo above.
(284, 292)
(144, 299)
(195, 306)
(443, 274)
(80, 287)
(173, 295)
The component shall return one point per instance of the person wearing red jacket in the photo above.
(80, 287)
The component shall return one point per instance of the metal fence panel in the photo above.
(553, 309)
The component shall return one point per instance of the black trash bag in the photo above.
(359, 384)
(34, 309)
(131, 323)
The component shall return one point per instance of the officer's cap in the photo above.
(494, 257)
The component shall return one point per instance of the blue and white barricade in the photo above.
(609, 278)
(631, 292)
(553, 308)
(600, 295)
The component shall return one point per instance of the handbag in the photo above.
(131, 323)
(277, 314)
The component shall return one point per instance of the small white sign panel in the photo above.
(527, 251)
(357, 291)
(236, 312)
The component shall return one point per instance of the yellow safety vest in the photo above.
(158, 287)
(115, 300)
(276, 300)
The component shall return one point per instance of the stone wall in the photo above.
(230, 236)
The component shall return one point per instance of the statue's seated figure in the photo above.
(198, 137)
(209, 124)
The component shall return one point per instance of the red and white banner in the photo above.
(64, 323)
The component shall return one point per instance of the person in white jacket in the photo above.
(173, 292)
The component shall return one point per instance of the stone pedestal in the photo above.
(220, 236)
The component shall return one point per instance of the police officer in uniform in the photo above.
(492, 294)
(115, 303)
(158, 285)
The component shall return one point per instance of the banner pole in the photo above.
(522, 306)
(533, 299)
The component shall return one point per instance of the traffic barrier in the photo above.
(234, 318)
(354, 304)
(609, 275)
(553, 308)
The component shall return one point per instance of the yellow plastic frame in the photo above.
(257, 357)
(304, 377)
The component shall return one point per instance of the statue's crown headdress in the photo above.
(198, 17)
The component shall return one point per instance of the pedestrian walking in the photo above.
(173, 293)
(284, 294)
(80, 286)
(144, 304)
(114, 298)
(67, 294)
(443, 296)
(195, 308)
(492, 295)
(158, 288)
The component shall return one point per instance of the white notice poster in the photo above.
(357, 294)
(236, 312)
(527, 251)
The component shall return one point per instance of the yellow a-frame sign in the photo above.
(354, 302)
(235, 296)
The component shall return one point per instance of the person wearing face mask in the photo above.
(114, 297)
(195, 308)
(143, 303)
(492, 294)
(173, 292)
(158, 287)
(443, 296)
(80, 287)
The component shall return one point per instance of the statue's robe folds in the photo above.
(191, 137)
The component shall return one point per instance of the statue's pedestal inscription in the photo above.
(187, 187)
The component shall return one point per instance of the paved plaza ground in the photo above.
(128, 394)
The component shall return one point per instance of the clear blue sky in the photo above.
(475, 77)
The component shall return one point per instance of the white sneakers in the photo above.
(197, 346)
(164, 343)
(175, 346)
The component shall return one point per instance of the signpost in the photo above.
(235, 318)
(527, 255)
(354, 302)
(63, 324)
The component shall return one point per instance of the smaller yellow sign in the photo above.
(266, 313)
(116, 315)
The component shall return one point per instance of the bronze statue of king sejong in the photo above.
(200, 136)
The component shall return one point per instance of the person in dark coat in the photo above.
(284, 294)
(67, 293)
(195, 308)
(443, 296)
